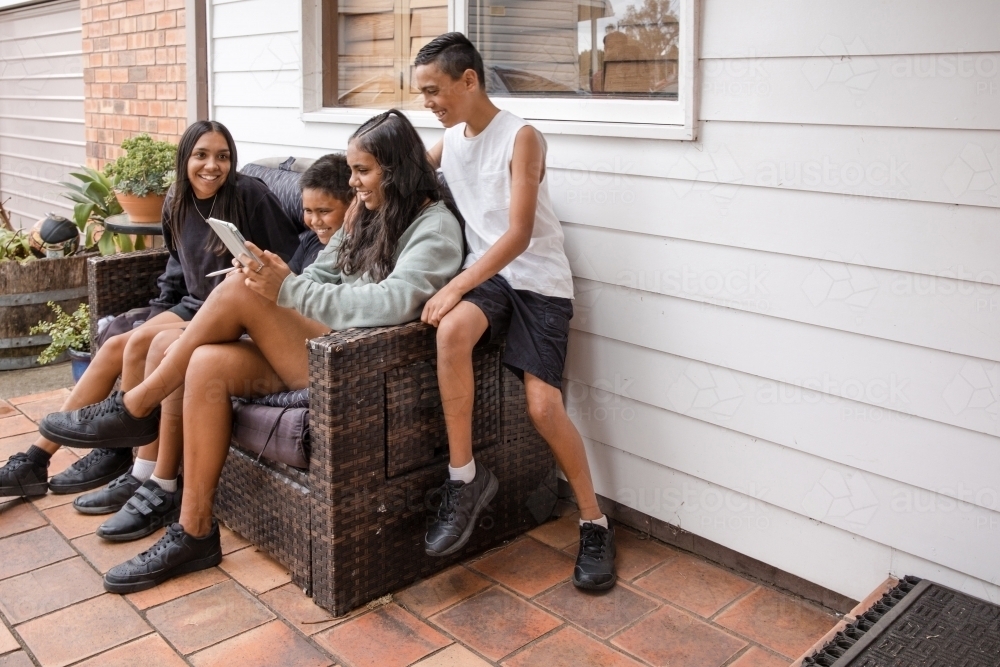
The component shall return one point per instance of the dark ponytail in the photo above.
(408, 182)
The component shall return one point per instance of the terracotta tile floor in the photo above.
(513, 606)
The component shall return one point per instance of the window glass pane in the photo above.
(543, 48)
(376, 43)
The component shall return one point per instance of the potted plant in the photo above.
(95, 200)
(142, 177)
(27, 281)
(69, 333)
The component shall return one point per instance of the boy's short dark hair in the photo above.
(453, 53)
(330, 174)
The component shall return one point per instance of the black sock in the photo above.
(38, 455)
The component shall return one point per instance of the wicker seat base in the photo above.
(269, 504)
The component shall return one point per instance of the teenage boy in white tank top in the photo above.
(517, 282)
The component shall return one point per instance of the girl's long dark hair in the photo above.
(408, 182)
(228, 203)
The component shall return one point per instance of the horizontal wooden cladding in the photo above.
(836, 292)
(49, 129)
(834, 558)
(930, 90)
(845, 422)
(938, 165)
(734, 29)
(253, 53)
(818, 552)
(247, 89)
(896, 234)
(954, 534)
(942, 386)
(255, 17)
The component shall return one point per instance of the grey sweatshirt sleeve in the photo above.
(431, 255)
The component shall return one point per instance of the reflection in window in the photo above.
(376, 43)
(545, 47)
(532, 48)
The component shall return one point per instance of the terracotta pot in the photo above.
(142, 210)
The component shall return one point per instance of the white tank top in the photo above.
(478, 172)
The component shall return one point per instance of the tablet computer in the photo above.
(232, 238)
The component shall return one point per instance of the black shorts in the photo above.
(537, 327)
(182, 312)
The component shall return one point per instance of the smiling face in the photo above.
(366, 176)
(449, 99)
(209, 164)
(324, 213)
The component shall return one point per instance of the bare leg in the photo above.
(215, 373)
(107, 364)
(168, 449)
(545, 407)
(231, 310)
(136, 366)
(457, 334)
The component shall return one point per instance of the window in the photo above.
(581, 66)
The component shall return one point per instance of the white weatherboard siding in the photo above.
(787, 336)
(41, 108)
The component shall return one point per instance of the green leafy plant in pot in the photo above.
(70, 332)
(95, 200)
(142, 177)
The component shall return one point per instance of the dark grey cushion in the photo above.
(285, 186)
(277, 433)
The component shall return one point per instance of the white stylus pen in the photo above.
(223, 271)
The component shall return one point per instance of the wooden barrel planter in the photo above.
(25, 289)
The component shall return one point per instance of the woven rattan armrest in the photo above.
(346, 403)
(118, 283)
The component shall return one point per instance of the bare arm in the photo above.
(527, 167)
(434, 154)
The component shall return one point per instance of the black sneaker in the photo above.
(21, 476)
(97, 468)
(461, 504)
(174, 554)
(147, 511)
(105, 424)
(111, 498)
(595, 564)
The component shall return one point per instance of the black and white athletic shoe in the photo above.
(461, 505)
(595, 563)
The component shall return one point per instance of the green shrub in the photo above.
(68, 331)
(148, 166)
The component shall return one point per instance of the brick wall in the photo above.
(133, 72)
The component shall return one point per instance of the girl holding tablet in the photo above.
(207, 183)
(399, 245)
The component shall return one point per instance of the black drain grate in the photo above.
(918, 624)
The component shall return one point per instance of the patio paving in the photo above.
(513, 606)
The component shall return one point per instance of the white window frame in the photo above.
(644, 119)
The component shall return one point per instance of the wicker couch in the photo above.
(350, 527)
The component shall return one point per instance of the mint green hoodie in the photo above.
(429, 254)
